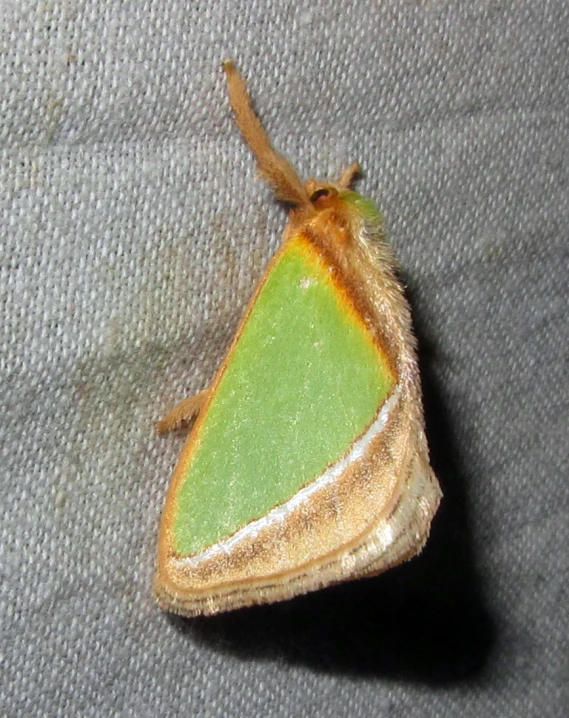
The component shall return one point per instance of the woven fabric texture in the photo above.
(133, 228)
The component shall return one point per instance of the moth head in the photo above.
(323, 195)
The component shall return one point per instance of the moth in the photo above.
(307, 462)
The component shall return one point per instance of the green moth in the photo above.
(307, 463)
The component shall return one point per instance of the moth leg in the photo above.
(183, 413)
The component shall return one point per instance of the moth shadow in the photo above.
(425, 620)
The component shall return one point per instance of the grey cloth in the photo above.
(133, 230)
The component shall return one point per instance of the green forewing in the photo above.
(303, 381)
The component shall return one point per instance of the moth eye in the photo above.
(319, 193)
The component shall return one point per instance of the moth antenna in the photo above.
(274, 168)
(349, 175)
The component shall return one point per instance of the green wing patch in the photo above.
(303, 381)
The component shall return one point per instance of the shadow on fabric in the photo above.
(424, 620)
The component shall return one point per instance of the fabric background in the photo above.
(133, 230)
